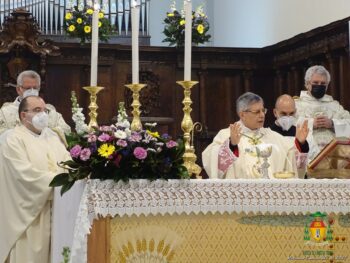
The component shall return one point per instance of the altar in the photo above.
(213, 221)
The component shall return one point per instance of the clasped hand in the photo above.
(322, 122)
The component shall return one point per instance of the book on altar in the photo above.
(333, 161)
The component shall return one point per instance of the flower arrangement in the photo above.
(174, 29)
(77, 23)
(115, 152)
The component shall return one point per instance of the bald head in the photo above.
(285, 106)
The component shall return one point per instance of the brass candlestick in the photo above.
(136, 124)
(93, 90)
(187, 127)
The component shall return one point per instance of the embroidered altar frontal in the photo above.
(226, 238)
(214, 221)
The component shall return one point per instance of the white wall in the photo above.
(255, 23)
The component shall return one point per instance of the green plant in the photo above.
(66, 254)
(77, 23)
(174, 29)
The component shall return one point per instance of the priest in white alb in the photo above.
(28, 84)
(29, 155)
(247, 150)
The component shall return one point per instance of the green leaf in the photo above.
(66, 187)
(59, 180)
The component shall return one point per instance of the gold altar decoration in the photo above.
(93, 90)
(136, 124)
(220, 238)
(187, 127)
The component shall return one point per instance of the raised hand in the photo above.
(302, 131)
(235, 133)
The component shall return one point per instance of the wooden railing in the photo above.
(50, 14)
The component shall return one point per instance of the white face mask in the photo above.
(40, 121)
(30, 92)
(286, 122)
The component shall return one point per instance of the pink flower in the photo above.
(171, 144)
(140, 153)
(104, 137)
(105, 128)
(85, 154)
(75, 151)
(122, 143)
(135, 137)
(92, 138)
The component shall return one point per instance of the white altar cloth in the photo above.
(64, 214)
(215, 196)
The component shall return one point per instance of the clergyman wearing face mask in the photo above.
(34, 115)
(284, 112)
(38, 118)
(28, 84)
(326, 117)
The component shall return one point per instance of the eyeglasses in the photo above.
(38, 110)
(256, 112)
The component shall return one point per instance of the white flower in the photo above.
(78, 116)
(120, 134)
(122, 119)
(152, 125)
(128, 132)
(173, 6)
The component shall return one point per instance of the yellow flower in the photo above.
(90, 11)
(71, 28)
(68, 16)
(79, 20)
(153, 134)
(106, 150)
(99, 24)
(87, 29)
(170, 14)
(200, 29)
(182, 22)
(100, 15)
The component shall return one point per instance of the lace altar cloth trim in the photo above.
(216, 196)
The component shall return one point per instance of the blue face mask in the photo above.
(30, 92)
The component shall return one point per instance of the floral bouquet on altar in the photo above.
(78, 23)
(174, 29)
(115, 152)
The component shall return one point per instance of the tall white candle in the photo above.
(188, 39)
(94, 46)
(135, 19)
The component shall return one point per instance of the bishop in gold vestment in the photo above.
(247, 150)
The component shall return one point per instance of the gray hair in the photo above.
(320, 70)
(28, 74)
(247, 99)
